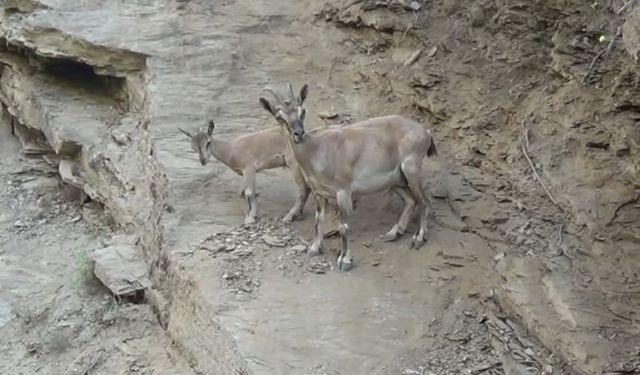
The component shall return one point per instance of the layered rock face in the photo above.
(518, 95)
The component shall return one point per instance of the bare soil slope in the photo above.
(532, 259)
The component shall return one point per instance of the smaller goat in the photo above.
(247, 155)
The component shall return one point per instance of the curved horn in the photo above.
(275, 96)
(291, 96)
(186, 133)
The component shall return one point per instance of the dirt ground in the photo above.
(55, 317)
(531, 264)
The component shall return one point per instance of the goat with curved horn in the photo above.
(345, 163)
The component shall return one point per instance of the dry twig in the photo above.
(560, 233)
(625, 6)
(602, 53)
(561, 246)
(524, 143)
(333, 65)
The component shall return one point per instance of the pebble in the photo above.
(273, 241)
(478, 16)
(298, 248)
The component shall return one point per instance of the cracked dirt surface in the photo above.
(248, 300)
(55, 318)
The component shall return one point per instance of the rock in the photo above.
(425, 80)
(120, 137)
(433, 105)
(477, 16)
(6, 313)
(121, 269)
(319, 266)
(631, 34)
(622, 149)
(415, 56)
(298, 248)
(23, 6)
(273, 241)
(598, 143)
(496, 217)
(327, 115)
(451, 6)
(68, 171)
(439, 192)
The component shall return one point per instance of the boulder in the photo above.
(122, 270)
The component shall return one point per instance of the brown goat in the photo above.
(344, 163)
(247, 155)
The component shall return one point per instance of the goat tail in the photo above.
(432, 150)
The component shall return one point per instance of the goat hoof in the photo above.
(249, 221)
(313, 251)
(391, 236)
(345, 264)
(416, 243)
(287, 219)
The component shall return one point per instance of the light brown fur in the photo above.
(344, 163)
(247, 155)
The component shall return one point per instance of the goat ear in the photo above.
(185, 133)
(268, 106)
(210, 128)
(303, 93)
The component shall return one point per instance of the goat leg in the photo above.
(345, 206)
(401, 227)
(412, 171)
(336, 232)
(301, 200)
(321, 208)
(250, 195)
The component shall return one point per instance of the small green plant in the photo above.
(82, 276)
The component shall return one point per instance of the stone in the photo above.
(121, 269)
(631, 34)
(23, 6)
(273, 241)
(121, 138)
(478, 16)
(298, 248)
(68, 173)
(6, 313)
(415, 56)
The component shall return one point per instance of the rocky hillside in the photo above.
(536, 213)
